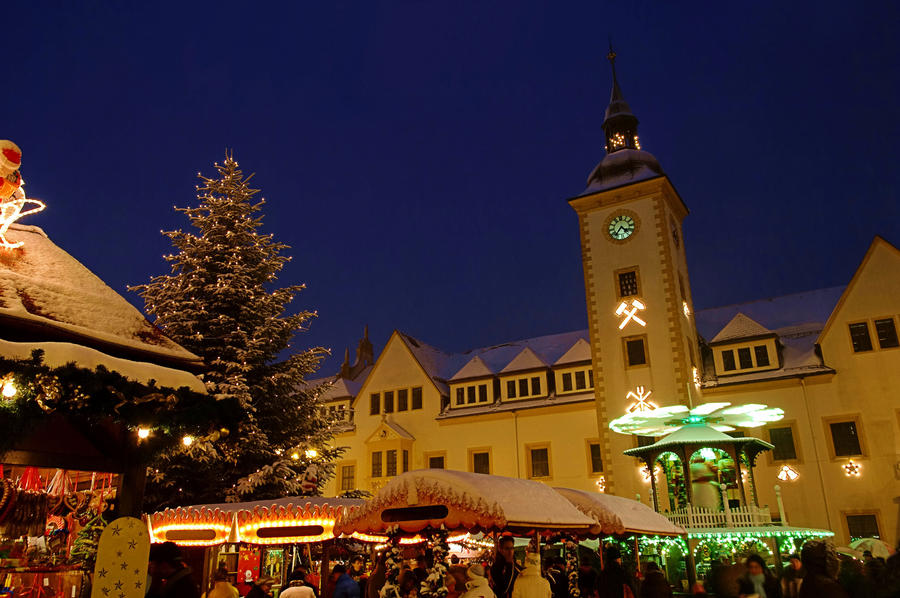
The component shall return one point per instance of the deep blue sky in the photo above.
(417, 155)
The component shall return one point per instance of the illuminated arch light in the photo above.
(260, 526)
(787, 474)
(630, 312)
(191, 527)
(852, 469)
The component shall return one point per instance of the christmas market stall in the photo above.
(90, 391)
(253, 539)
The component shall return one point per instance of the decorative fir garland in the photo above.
(433, 585)
(571, 553)
(392, 563)
(97, 397)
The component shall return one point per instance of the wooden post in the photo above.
(323, 569)
(690, 565)
(739, 475)
(686, 470)
(130, 490)
(653, 492)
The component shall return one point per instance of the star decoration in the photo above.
(119, 553)
(132, 544)
(851, 469)
(118, 585)
(116, 530)
(138, 584)
(105, 591)
(124, 566)
(102, 573)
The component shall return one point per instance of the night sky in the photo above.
(417, 156)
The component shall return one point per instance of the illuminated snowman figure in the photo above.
(12, 193)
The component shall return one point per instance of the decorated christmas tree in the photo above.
(221, 302)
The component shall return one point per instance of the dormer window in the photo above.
(762, 355)
(750, 356)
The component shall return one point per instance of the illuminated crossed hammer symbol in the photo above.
(630, 314)
(640, 400)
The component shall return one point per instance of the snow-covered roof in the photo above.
(518, 405)
(464, 500)
(580, 351)
(476, 368)
(697, 434)
(620, 168)
(526, 360)
(50, 296)
(739, 327)
(618, 515)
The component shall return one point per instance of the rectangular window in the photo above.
(523, 387)
(762, 355)
(376, 464)
(510, 389)
(482, 393)
(417, 397)
(389, 401)
(470, 395)
(590, 378)
(744, 358)
(405, 461)
(402, 399)
(728, 360)
(348, 477)
(783, 439)
(579, 379)
(862, 526)
(859, 335)
(567, 381)
(535, 386)
(460, 395)
(845, 439)
(391, 465)
(481, 462)
(436, 462)
(374, 403)
(540, 462)
(596, 458)
(628, 283)
(635, 352)
(886, 333)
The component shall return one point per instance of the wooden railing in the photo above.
(693, 517)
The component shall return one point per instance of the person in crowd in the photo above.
(297, 588)
(170, 577)
(477, 585)
(357, 572)
(746, 589)
(456, 581)
(409, 585)
(221, 587)
(299, 573)
(655, 584)
(556, 575)
(614, 580)
(792, 577)
(262, 588)
(764, 583)
(587, 580)
(344, 586)
(378, 577)
(821, 564)
(421, 568)
(529, 583)
(504, 571)
(852, 578)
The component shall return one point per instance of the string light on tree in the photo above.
(311, 453)
(630, 312)
(187, 440)
(852, 469)
(143, 433)
(640, 396)
(8, 388)
(787, 474)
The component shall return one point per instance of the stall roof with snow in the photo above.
(615, 515)
(456, 500)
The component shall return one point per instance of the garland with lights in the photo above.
(161, 417)
(433, 585)
(392, 563)
(571, 553)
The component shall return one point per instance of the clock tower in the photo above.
(640, 313)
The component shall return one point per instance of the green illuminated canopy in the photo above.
(723, 417)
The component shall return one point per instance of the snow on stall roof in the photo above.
(740, 326)
(60, 354)
(42, 284)
(298, 501)
(619, 515)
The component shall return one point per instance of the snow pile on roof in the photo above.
(618, 515)
(740, 326)
(526, 360)
(41, 284)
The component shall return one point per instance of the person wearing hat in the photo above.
(477, 586)
(170, 577)
(614, 581)
(221, 587)
(821, 563)
(529, 583)
(262, 588)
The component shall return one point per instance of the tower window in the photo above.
(859, 336)
(886, 333)
(628, 283)
(511, 389)
(728, 360)
(567, 382)
(744, 358)
(596, 458)
(762, 355)
(635, 351)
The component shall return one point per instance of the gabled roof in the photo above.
(388, 427)
(580, 351)
(739, 327)
(526, 360)
(46, 295)
(476, 368)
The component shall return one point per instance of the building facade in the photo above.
(539, 408)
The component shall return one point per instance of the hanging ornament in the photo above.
(310, 480)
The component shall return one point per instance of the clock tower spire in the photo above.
(640, 311)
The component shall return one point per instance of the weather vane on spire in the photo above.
(612, 54)
(12, 192)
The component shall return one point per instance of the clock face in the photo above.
(621, 227)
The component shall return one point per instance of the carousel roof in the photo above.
(699, 434)
(458, 500)
(616, 515)
(722, 416)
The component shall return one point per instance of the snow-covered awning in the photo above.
(458, 500)
(615, 515)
